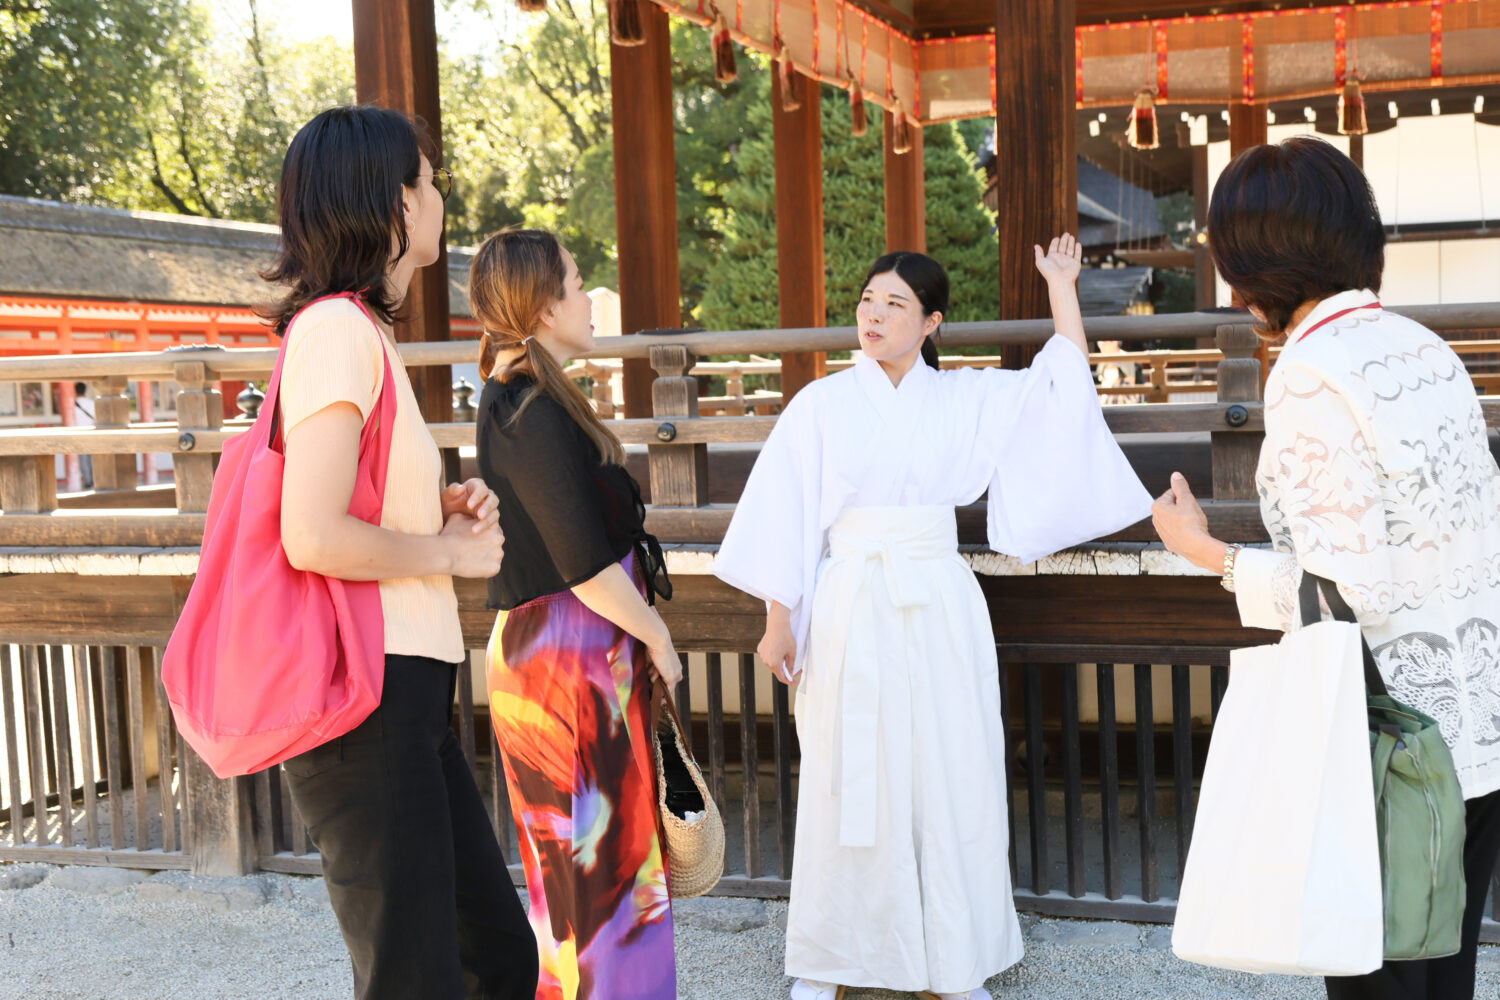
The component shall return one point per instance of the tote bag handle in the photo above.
(1307, 598)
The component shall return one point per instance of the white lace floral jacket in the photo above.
(1376, 473)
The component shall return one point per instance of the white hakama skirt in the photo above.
(901, 878)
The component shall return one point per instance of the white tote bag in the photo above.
(1283, 874)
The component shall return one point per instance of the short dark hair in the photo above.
(338, 203)
(80, 388)
(1292, 223)
(927, 279)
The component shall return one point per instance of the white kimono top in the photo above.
(1035, 439)
(1376, 473)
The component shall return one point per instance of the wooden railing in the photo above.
(87, 732)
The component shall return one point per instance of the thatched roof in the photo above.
(74, 251)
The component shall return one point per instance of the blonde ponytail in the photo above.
(515, 275)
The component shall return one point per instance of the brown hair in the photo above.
(516, 274)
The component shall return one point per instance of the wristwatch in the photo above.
(1229, 554)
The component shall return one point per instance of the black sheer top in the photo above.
(566, 515)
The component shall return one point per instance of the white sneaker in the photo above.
(811, 989)
(977, 993)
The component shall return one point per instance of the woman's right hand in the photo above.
(475, 555)
(666, 665)
(778, 648)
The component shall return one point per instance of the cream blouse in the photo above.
(333, 355)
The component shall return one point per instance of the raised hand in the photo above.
(1061, 261)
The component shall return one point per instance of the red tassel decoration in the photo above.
(1141, 132)
(725, 70)
(791, 95)
(859, 125)
(625, 28)
(901, 139)
(532, 6)
(1352, 120)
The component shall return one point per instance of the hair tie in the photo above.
(528, 340)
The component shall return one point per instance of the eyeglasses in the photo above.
(442, 179)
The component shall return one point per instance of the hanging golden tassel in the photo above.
(625, 28)
(1352, 120)
(725, 70)
(858, 123)
(791, 94)
(532, 6)
(1141, 131)
(901, 137)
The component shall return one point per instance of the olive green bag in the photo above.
(1419, 810)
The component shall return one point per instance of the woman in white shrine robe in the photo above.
(846, 529)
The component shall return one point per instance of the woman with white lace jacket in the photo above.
(1375, 473)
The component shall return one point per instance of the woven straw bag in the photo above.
(695, 850)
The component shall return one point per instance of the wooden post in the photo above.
(199, 408)
(221, 819)
(395, 66)
(679, 472)
(28, 484)
(1247, 127)
(1235, 453)
(645, 194)
(905, 192)
(1205, 293)
(798, 136)
(112, 409)
(1036, 148)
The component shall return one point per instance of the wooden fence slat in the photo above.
(505, 827)
(1218, 683)
(1182, 762)
(1010, 768)
(298, 828)
(62, 743)
(1036, 780)
(1145, 757)
(265, 820)
(11, 711)
(179, 798)
(1109, 783)
(786, 819)
(750, 764)
(114, 762)
(140, 786)
(465, 682)
(165, 764)
(1072, 780)
(83, 693)
(36, 742)
(717, 783)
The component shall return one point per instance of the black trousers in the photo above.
(414, 871)
(1450, 978)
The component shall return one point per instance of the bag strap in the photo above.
(1312, 613)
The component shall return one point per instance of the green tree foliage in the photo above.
(742, 291)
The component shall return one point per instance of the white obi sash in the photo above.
(883, 563)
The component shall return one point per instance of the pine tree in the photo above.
(741, 290)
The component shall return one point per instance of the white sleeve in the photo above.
(1058, 476)
(1324, 479)
(775, 539)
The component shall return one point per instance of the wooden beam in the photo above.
(798, 136)
(645, 194)
(1205, 293)
(905, 191)
(1036, 148)
(395, 66)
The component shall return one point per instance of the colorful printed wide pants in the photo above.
(570, 695)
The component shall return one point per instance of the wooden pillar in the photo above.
(1205, 294)
(1247, 127)
(645, 194)
(395, 66)
(1035, 149)
(220, 811)
(112, 409)
(905, 192)
(798, 136)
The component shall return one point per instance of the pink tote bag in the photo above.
(268, 661)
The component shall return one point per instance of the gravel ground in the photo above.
(75, 933)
